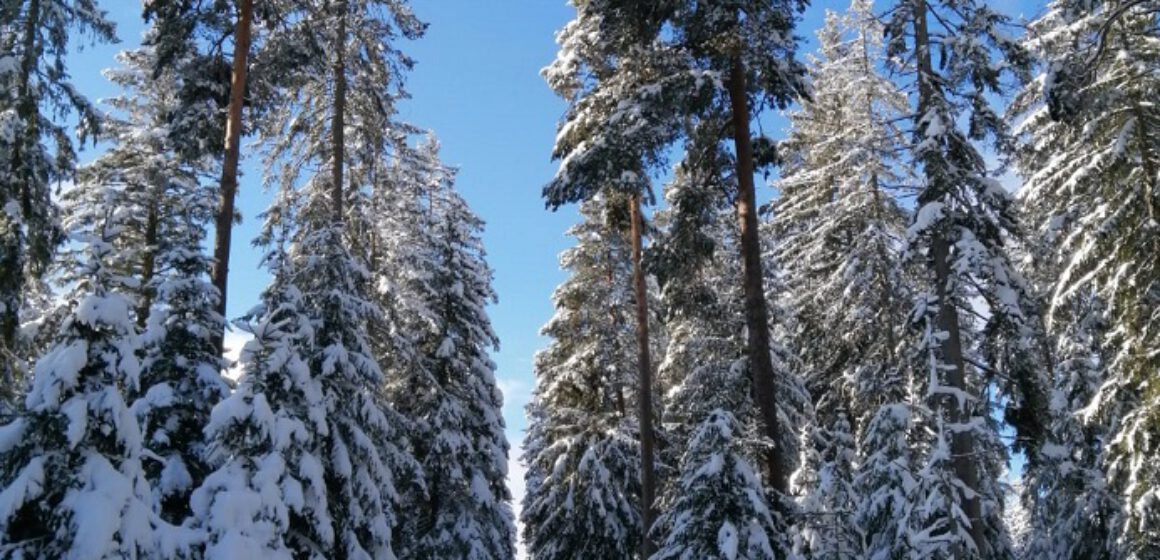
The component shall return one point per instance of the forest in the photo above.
(920, 321)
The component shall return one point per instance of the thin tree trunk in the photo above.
(951, 347)
(756, 314)
(644, 367)
(224, 221)
(148, 266)
(338, 118)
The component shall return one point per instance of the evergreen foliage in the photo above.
(581, 450)
(1089, 156)
(34, 89)
(720, 511)
(73, 484)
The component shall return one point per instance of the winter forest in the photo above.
(916, 318)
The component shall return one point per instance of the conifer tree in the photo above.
(582, 451)
(403, 257)
(637, 73)
(884, 480)
(960, 54)
(1090, 162)
(594, 76)
(359, 453)
(703, 375)
(720, 511)
(701, 309)
(71, 470)
(825, 480)
(34, 87)
(165, 210)
(838, 228)
(267, 494)
(837, 222)
(459, 433)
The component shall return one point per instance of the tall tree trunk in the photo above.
(951, 346)
(338, 117)
(148, 266)
(224, 221)
(756, 314)
(644, 367)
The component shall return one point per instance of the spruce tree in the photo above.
(959, 54)
(459, 433)
(164, 212)
(266, 439)
(35, 87)
(359, 455)
(720, 512)
(637, 73)
(703, 375)
(838, 228)
(885, 479)
(582, 450)
(838, 224)
(73, 482)
(1090, 162)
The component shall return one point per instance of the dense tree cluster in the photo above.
(123, 438)
(923, 327)
(908, 352)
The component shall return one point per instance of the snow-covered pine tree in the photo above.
(837, 224)
(1074, 512)
(359, 452)
(183, 41)
(181, 368)
(599, 81)
(582, 450)
(938, 523)
(719, 511)
(701, 309)
(638, 73)
(34, 86)
(884, 479)
(703, 377)
(267, 496)
(165, 211)
(825, 484)
(73, 484)
(402, 259)
(838, 229)
(458, 434)
(958, 53)
(1091, 163)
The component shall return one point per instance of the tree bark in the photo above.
(947, 320)
(756, 313)
(224, 221)
(644, 367)
(338, 117)
(148, 266)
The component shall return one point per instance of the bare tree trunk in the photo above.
(338, 117)
(756, 314)
(224, 221)
(644, 367)
(951, 347)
